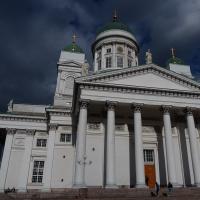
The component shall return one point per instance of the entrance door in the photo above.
(149, 167)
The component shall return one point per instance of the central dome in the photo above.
(115, 25)
(115, 47)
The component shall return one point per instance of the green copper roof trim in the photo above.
(115, 25)
(74, 48)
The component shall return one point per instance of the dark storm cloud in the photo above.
(33, 32)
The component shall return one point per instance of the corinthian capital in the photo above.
(84, 104)
(11, 131)
(166, 109)
(137, 107)
(30, 132)
(53, 127)
(189, 110)
(111, 105)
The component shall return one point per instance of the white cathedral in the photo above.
(123, 125)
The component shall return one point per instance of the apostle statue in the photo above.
(148, 57)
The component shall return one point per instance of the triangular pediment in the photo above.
(148, 76)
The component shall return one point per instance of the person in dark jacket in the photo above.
(157, 188)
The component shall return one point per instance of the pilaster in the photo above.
(6, 158)
(24, 171)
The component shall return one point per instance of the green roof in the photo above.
(114, 25)
(175, 60)
(74, 48)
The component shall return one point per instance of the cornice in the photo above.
(20, 118)
(140, 90)
(59, 112)
(144, 69)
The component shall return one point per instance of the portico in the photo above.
(137, 118)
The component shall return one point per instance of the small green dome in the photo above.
(74, 48)
(115, 25)
(175, 60)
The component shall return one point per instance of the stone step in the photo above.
(103, 194)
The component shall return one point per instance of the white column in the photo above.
(110, 146)
(193, 147)
(139, 157)
(24, 170)
(169, 146)
(6, 158)
(49, 161)
(79, 177)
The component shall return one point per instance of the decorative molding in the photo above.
(11, 131)
(111, 105)
(166, 109)
(140, 90)
(137, 107)
(84, 103)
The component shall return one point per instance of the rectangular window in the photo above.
(38, 169)
(108, 62)
(108, 50)
(65, 137)
(129, 62)
(41, 142)
(148, 156)
(119, 61)
(99, 64)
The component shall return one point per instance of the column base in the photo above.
(79, 186)
(46, 189)
(22, 190)
(177, 185)
(111, 186)
(196, 185)
(1, 190)
(141, 185)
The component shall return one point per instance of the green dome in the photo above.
(74, 48)
(175, 60)
(115, 25)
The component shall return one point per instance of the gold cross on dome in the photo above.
(74, 37)
(173, 52)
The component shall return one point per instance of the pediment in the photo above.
(149, 80)
(148, 76)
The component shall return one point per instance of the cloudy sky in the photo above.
(32, 33)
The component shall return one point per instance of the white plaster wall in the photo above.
(62, 167)
(14, 168)
(122, 160)
(94, 171)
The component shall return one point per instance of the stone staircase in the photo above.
(104, 194)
